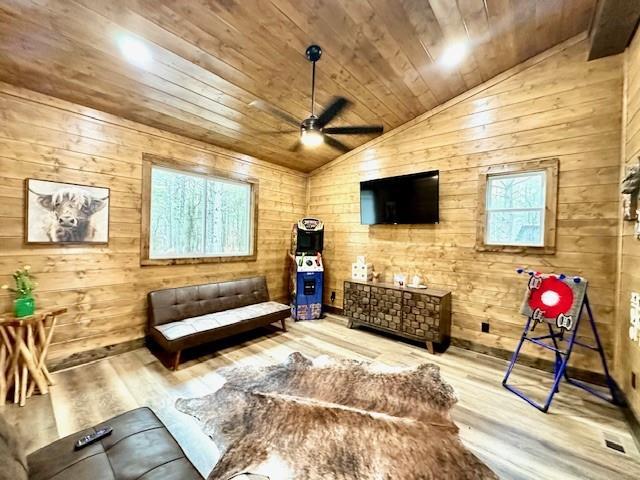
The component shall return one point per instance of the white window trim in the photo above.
(541, 209)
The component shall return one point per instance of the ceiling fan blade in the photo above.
(333, 109)
(354, 130)
(282, 115)
(332, 142)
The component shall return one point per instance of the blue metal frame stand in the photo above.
(562, 358)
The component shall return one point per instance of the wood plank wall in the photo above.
(556, 104)
(104, 287)
(628, 358)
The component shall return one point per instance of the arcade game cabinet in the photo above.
(307, 240)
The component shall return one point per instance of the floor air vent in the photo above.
(614, 446)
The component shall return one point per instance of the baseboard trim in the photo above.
(630, 416)
(529, 361)
(331, 309)
(537, 363)
(89, 356)
(634, 425)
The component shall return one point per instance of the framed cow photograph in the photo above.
(65, 213)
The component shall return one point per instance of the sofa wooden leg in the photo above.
(284, 325)
(175, 360)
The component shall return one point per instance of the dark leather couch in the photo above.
(185, 317)
(140, 447)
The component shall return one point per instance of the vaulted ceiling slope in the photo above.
(207, 61)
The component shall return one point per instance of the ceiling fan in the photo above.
(314, 130)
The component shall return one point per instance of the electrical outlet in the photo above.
(633, 380)
(485, 327)
(333, 296)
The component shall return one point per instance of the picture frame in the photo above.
(62, 213)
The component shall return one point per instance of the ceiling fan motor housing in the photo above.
(314, 52)
(309, 124)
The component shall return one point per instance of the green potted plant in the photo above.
(24, 304)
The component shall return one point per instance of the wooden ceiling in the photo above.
(212, 59)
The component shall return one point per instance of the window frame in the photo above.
(550, 167)
(148, 162)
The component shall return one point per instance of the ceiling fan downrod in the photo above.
(313, 53)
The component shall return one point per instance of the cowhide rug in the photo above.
(335, 419)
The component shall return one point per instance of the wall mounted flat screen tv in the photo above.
(407, 199)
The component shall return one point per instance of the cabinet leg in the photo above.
(284, 325)
(350, 324)
(430, 347)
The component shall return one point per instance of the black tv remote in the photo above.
(93, 437)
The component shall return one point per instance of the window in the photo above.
(193, 214)
(517, 207)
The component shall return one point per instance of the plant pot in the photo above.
(24, 306)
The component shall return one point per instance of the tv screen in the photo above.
(400, 200)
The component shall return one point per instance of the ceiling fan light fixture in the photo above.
(311, 138)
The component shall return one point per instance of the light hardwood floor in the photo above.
(517, 441)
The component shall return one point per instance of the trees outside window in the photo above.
(515, 209)
(195, 216)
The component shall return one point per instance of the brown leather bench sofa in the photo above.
(184, 317)
(140, 447)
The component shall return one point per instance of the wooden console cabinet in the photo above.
(414, 313)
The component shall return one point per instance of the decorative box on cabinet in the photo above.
(414, 313)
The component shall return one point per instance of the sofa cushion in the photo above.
(175, 330)
(140, 447)
(175, 304)
(13, 460)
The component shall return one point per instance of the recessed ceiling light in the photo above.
(134, 50)
(453, 54)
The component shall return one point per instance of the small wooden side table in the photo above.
(24, 343)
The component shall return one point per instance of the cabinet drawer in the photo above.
(356, 301)
(386, 308)
(421, 316)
